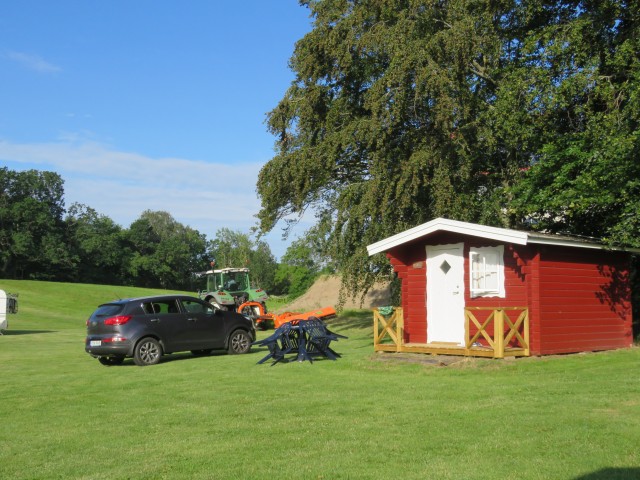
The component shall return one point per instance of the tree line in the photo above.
(40, 239)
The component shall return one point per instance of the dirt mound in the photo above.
(325, 291)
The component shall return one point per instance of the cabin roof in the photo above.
(517, 237)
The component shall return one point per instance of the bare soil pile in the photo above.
(325, 291)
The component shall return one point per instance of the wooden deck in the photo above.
(495, 335)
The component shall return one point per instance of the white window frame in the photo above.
(491, 265)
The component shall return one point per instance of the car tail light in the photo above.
(117, 320)
(113, 339)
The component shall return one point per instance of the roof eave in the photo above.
(482, 231)
(564, 242)
(446, 225)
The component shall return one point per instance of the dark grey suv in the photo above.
(146, 328)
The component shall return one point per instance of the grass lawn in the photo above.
(365, 416)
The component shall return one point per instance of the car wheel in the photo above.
(200, 353)
(110, 361)
(239, 342)
(147, 352)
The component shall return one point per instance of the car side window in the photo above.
(160, 307)
(197, 307)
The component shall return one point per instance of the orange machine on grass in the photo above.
(264, 321)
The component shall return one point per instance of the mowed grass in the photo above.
(365, 416)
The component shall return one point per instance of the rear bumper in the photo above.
(98, 347)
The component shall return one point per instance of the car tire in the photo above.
(239, 342)
(201, 353)
(147, 352)
(111, 361)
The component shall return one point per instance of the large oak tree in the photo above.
(406, 110)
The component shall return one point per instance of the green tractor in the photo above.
(230, 288)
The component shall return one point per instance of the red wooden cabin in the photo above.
(485, 291)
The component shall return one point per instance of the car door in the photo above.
(166, 321)
(207, 327)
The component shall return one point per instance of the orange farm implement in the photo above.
(265, 320)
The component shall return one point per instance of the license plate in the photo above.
(95, 343)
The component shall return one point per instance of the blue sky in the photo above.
(144, 104)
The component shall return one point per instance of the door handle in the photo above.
(191, 319)
(155, 319)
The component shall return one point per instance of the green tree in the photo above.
(405, 110)
(32, 243)
(300, 266)
(584, 65)
(236, 249)
(97, 242)
(263, 266)
(231, 248)
(163, 252)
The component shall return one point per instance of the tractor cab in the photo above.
(229, 279)
(228, 288)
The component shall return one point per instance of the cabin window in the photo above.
(486, 270)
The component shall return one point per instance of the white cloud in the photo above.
(33, 62)
(121, 185)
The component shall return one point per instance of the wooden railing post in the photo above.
(527, 345)
(498, 334)
(376, 329)
(467, 333)
(400, 327)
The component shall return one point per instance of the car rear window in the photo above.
(108, 310)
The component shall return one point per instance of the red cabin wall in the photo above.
(585, 300)
(409, 263)
(578, 299)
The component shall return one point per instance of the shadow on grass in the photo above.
(175, 357)
(25, 332)
(294, 359)
(353, 319)
(612, 474)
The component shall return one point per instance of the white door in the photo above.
(445, 293)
